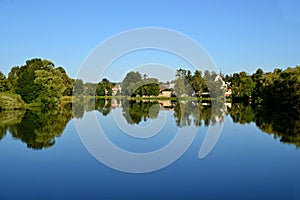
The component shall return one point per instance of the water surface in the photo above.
(256, 156)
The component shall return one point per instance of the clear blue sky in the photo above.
(238, 35)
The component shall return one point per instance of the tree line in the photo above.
(40, 83)
(280, 87)
(189, 84)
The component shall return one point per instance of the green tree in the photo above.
(78, 87)
(286, 88)
(183, 83)
(147, 87)
(198, 83)
(108, 86)
(104, 88)
(131, 82)
(12, 78)
(67, 81)
(257, 77)
(90, 89)
(151, 89)
(214, 84)
(100, 90)
(52, 86)
(38, 81)
(3, 83)
(242, 85)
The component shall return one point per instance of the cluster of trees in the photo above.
(103, 88)
(134, 84)
(188, 84)
(40, 82)
(280, 87)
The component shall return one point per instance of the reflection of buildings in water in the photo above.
(115, 103)
(166, 104)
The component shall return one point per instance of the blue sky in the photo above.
(238, 35)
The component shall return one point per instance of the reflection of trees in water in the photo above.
(282, 122)
(78, 108)
(8, 118)
(241, 113)
(38, 129)
(136, 111)
(187, 113)
(2, 131)
(103, 106)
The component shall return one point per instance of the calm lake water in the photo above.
(256, 156)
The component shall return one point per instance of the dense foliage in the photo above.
(280, 87)
(133, 85)
(188, 84)
(40, 83)
(271, 100)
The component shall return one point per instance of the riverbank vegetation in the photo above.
(39, 83)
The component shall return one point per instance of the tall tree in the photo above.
(198, 82)
(3, 83)
(100, 90)
(242, 85)
(183, 85)
(108, 86)
(13, 76)
(131, 82)
(68, 82)
(78, 87)
(38, 81)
